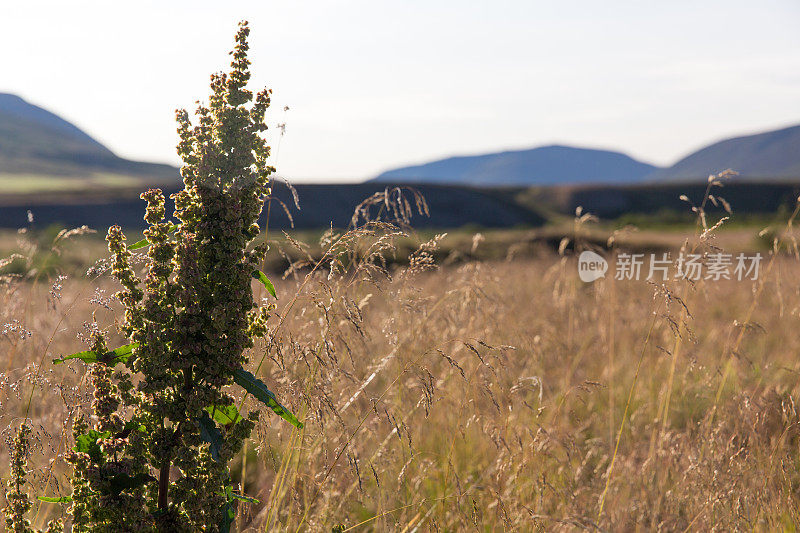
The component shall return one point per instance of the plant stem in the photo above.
(163, 474)
(163, 484)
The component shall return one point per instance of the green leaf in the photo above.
(145, 242)
(257, 388)
(129, 427)
(122, 482)
(139, 244)
(119, 355)
(87, 357)
(243, 498)
(123, 353)
(260, 276)
(224, 414)
(62, 499)
(210, 434)
(228, 517)
(87, 443)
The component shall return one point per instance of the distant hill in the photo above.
(37, 143)
(546, 165)
(321, 205)
(769, 156)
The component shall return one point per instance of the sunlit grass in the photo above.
(487, 394)
(33, 183)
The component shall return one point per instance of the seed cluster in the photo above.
(191, 317)
(17, 500)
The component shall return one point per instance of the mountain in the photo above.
(546, 165)
(36, 142)
(771, 155)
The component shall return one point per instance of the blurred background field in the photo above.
(631, 233)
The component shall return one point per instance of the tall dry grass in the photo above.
(486, 396)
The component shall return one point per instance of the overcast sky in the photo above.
(375, 84)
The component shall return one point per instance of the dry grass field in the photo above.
(495, 394)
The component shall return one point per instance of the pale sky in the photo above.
(375, 84)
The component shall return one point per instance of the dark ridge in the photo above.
(320, 206)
